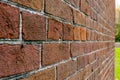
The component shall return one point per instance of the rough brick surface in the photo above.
(53, 53)
(83, 33)
(47, 74)
(76, 33)
(77, 49)
(33, 27)
(57, 39)
(77, 76)
(75, 3)
(80, 62)
(9, 21)
(16, 59)
(34, 4)
(85, 7)
(54, 30)
(67, 32)
(79, 18)
(59, 9)
(66, 69)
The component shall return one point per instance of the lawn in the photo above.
(117, 63)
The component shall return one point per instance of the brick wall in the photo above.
(57, 39)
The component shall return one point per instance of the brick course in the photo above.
(57, 39)
(9, 21)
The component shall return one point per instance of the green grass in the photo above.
(117, 63)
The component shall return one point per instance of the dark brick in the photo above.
(85, 7)
(77, 49)
(67, 32)
(80, 62)
(34, 4)
(47, 74)
(66, 69)
(16, 59)
(79, 18)
(75, 3)
(59, 9)
(54, 30)
(33, 26)
(9, 21)
(55, 52)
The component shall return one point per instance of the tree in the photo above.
(117, 25)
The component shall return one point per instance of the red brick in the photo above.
(88, 47)
(87, 70)
(88, 35)
(86, 60)
(67, 32)
(75, 3)
(47, 74)
(88, 22)
(76, 76)
(94, 15)
(33, 26)
(34, 4)
(92, 35)
(66, 69)
(9, 21)
(77, 49)
(16, 59)
(55, 52)
(83, 33)
(76, 33)
(85, 7)
(80, 62)
(79, 18)
(54, 30)
(59, 9)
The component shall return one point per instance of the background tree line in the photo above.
(117, 25)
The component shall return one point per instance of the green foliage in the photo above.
(117, 26)
(117, 33)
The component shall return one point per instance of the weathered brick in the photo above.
(33, 26)
(77, 76)
(34, 4)
(66, 69)
(75, 3)
(87, 70)
(16, 59)
(80, 62)
(88, 47)
(55, 52)
(54, 30)
(85, 7)
(88, 22)
(76, 33)
(83, 33)
(86, 60)
(79, 18)
(88, 35)
(94, 15)
(77, 49)
(47, 74)
(59, 9)
(67, 32)
(9, 21)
